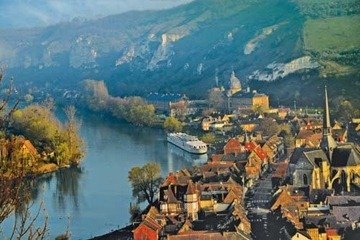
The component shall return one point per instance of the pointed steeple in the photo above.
(328, 144)
(326, 123)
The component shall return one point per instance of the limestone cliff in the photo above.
(275, 71)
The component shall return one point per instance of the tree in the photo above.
(345, 110)
(135, 212)
(72, 129)
(208, 138)
(179, 109)
(39, 124)
(96, 94)
(14, 192)
(215, 98)
(145, 182)
(268, 127)
(131, 109)
(288, 135)
(171, 124)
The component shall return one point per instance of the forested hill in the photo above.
(283, 47)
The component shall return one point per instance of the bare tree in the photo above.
(14, 192)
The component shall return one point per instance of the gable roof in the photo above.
(346, 155)
(233, 142)
(343, 200)
(30, 147)
(311, 154)
(303, 233)
(187, 226)
(346, 213)
(280, 171)
(316, 155)
(231, 196)
(170, 197)
(151, 223)
(190, 188)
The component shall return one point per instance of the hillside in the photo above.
(269, 44)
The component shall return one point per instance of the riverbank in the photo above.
(38, 171)
(93, 198)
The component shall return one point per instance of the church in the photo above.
(237, 98)
(332, 165)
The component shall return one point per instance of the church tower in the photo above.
(191, 201)
(328, 144)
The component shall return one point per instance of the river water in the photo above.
(94, 198)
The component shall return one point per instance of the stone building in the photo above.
(309, 167)
(248, 100)
(235, 85)
(344, 157)
(191, 200)
(333, 164)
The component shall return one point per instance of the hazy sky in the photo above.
(30, 13)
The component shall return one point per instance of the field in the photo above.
(327, 8)
(335, 35)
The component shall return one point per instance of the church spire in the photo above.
(326, 123)
(328, 144)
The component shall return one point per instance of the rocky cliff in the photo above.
(187, 49)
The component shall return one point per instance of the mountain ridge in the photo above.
(181, 49)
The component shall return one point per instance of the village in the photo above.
(272, 173)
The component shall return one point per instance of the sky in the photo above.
(35, 13)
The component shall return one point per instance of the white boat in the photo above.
(177, 153)
(187, 142)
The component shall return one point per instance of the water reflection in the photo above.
(176, 154)
(95, 197)
(67, 187)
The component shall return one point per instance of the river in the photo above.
(94, 198)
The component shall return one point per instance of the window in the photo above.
(305, 179)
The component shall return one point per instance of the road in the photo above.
(257, 203)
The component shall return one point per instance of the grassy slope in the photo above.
(208, 23)
(208, 44)
(336, 34)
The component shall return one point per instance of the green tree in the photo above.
(345, 111)
(96, 94)
(145, 182)
(38, 124)
(72, 129)
(131, 109)
(171, 124)
(208, 138)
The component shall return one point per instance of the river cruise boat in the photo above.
(187, 142)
